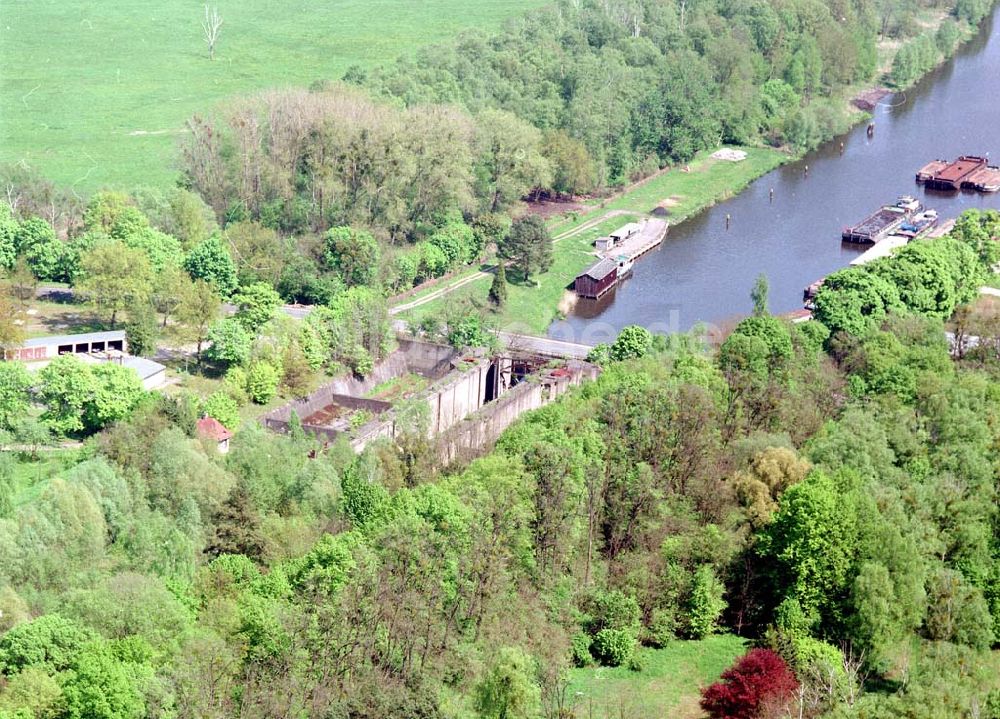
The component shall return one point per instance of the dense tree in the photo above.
(116, 278)
(255, 305)
(352, 254)
(528, 246)
(509, 691)
(229, 342)
(498, 288)
(210, 261)
(197, 311)
(14, 385)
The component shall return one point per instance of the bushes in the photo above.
(223, 408)
(926, 277)
(758, 680)
(914, 59)
(612, 624)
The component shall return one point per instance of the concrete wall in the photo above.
(477, 433)
(423, 358)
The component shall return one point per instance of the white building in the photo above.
(90, 347)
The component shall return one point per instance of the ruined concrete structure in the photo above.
(472, 398)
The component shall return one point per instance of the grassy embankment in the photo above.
(96, 94)
(667, 686)
(531, 307)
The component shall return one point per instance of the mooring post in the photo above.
(807, 170)
(841, 148)
(728, 218)
(771, 195)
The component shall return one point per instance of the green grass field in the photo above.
(667, 686)
(532, 307)
(96, 94)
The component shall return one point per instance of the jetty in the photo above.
(617, 252)
(968, 172)
(880, 249)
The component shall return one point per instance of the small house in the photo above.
(604, 244)
(625, 232)
(597, 279)
(212, 430)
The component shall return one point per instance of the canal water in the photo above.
(703, 273)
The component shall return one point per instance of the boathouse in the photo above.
(597, 279)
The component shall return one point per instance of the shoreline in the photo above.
(532, 309)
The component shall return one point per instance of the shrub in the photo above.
(579, 647)
(759, 679)
(613, 647)
(262, 382)
(223, 408)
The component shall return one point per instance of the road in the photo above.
(544, 346)
(526, 343)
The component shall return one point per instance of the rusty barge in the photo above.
(883, 222)
(968, 172)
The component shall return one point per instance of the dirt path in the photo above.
(469, 279)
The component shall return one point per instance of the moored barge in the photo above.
(968, 172)
(882, 222)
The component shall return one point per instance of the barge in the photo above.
(883, 222)
(968, 172)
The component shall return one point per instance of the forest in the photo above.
(822, 493)
(826, 490)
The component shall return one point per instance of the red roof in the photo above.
(212, 428)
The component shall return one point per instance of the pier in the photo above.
(647, 235)
(968, 172)
(617, 253)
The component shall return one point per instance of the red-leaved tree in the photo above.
(758, 683)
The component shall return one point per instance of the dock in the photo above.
(880, 249)
(648, 235)
(968, 172)
(616, 253)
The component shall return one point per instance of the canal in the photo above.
(704, 272)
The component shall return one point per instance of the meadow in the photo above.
(667, 686)
(96, 94)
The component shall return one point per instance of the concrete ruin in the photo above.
(471, 398)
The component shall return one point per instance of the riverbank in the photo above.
(676, 195)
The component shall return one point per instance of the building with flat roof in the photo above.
(46, 348)
(94, 347)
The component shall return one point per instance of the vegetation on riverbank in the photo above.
(679, 193)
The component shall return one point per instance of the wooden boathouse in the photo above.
(597, 279)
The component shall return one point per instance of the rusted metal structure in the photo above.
(597, 279)
(970, 172)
